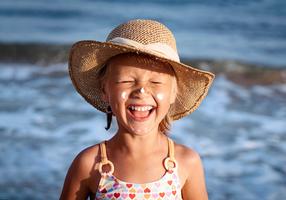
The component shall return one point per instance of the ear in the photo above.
(104, 96)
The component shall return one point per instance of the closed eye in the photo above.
(125, 81)
(156, 82)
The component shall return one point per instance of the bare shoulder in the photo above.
(85, 161)
(187, 157)
(82, 169)
(88, 157)
(183, 150)
(191, 172)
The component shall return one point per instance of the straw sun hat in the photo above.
(141, 37)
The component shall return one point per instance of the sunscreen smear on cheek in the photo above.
(160, 96)
(123, 95)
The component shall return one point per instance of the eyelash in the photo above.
(131, 81)
(156, 82)
(124, 81)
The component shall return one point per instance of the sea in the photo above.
(239, 130)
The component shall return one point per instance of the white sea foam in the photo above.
(44, 123)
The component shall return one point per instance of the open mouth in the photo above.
(141, 112)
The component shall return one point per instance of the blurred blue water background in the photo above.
(247, 30)
(239, 131)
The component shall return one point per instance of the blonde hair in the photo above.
(165, 124)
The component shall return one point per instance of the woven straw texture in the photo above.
(86, 58)
(144, 32)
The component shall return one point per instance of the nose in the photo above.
(141, 90)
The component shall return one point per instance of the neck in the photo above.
(138, 145)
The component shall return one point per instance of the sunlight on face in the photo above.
(139, 112)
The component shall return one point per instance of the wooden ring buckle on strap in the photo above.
(106, 162)
(167, 162)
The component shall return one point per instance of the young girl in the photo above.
(137, 77)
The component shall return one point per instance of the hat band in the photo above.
(157, 48)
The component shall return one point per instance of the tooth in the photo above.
(141, 108)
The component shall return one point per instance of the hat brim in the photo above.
(87, 56)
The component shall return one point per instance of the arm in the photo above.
(195, 187)
(76, 181)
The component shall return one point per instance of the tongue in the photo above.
(140, 113)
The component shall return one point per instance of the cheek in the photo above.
(117, 101)
(163, 95)
(123, 95)
(118, 96)
(160, 96)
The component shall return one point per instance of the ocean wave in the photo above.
(239, 129)
(252, 31)
(239, 132)
(44, 54)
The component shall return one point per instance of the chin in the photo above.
(139, 130)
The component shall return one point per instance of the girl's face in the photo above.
(139, 91)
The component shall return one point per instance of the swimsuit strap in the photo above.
(171, 148)
(170, 162)
(104, 160)
(103, 154)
